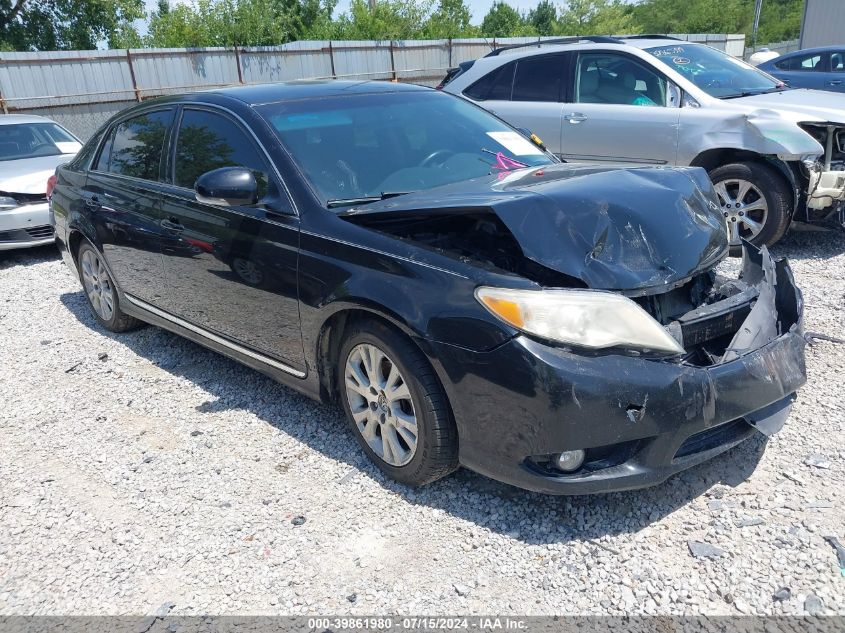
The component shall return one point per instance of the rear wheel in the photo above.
(101, 292)
(756, 202)
(396, 406)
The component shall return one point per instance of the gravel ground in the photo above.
(141, 470)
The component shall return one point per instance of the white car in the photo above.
(773, 154)
(31, 147)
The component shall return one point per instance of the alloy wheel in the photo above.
(381, 404)
(744, 207)
(98, 284)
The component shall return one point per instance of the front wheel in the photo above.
(396, 406)
(756, 202)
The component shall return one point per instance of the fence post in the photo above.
(331, 59)
(392, 62)
(132, 75)
(238, 64)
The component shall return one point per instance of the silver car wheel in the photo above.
(98, 284)
(381, 404)
(744, 207)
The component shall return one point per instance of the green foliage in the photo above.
(543, 18)
(85, 24)
(27, 25)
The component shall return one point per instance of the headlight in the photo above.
(8, 203)
(587, 318)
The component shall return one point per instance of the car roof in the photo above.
(817, 49)
(15, 119)
(641, 42)
(311, 89)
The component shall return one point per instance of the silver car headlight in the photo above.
(587, 318)
(8, 203)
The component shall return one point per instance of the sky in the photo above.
(479, 8)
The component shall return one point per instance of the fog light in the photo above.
(569, 461)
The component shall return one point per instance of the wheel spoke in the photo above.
(723, 193)
(391, 444)
(405, 420)
(409, 437)
(369, 430)
(757, 205)
(752, 225)
(744, 188)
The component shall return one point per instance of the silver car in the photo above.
(31, 147)
(773, 154)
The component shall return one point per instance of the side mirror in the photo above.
(227, 186)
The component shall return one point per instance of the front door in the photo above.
(123, 192)
(621, 111)
(231, 270)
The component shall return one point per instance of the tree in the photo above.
(388, 20)
(501, 21)
(27, 25)
(450, 19)
(598, 17)
(543, 18)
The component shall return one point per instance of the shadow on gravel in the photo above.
(808, 242)
(28, 256)
(529, 517)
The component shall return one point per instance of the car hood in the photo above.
(800, 104)
(625, 229)
(29, 175)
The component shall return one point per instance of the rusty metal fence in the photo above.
(82, 89)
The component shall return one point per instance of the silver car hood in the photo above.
(800, 105)
(29, 175)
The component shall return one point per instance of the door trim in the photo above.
(240, 349)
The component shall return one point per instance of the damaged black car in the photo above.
(464, 296)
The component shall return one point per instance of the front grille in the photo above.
(40, 232)
(713, 438)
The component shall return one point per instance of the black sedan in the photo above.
(467, 299)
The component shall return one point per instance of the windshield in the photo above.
(29, 140)
(715, 72)
(369, 146)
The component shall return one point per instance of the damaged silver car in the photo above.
(774, 154)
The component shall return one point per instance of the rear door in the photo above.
(527, 93)
(231, 270)
(807, 70)
(620, 112)
(122, 194)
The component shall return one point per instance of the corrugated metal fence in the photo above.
(82, 89)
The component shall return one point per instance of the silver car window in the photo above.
(617, 79)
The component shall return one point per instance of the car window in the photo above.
(837, 62)
(207, 141)
(494, 86)
(801, 62)
(366, 145)
(29, 140)
(136, 145)
(617, 79)
(538, 78)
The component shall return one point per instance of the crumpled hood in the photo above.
(800, 104)
(625, 229)
(29, 175)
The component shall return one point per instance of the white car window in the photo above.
(617, 79)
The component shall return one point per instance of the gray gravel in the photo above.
(141, 472)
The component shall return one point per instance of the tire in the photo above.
(435, 453)
(767, 188)
(101, 292)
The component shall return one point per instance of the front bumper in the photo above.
(25, 226)
(640, 420)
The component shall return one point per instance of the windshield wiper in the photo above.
(753, 93)
(384, 195)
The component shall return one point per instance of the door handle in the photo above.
(172, 224)
(834, 82)
(91, 202)
(575, 117)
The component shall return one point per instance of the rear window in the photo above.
(538, 78)
(136, 145)
(494, 86)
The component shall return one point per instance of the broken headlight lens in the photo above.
(586, 318)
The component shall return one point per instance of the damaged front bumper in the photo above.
(639, 420)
